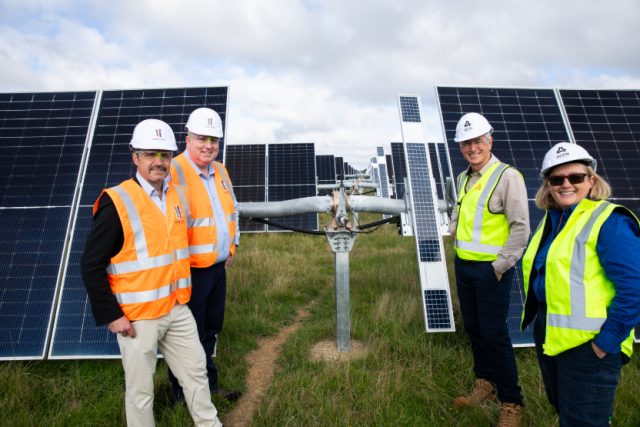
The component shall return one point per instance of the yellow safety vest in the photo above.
(480, 233)
(578, 290)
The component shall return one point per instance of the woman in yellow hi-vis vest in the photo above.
(582, 281)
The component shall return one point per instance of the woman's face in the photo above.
(568, 194)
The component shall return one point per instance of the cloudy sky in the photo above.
(318, 71)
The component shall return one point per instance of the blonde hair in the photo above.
(600, 191)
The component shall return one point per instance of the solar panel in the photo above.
(247, 167)
(435, 168)
(390, 172)
(108, 164)
(346, 168)
(339, 168)
(607, 124)
(292, 175)
(424, 212)
(399, 168)
(380, 151)
(42, 142)
(443, 159)
(527, 123)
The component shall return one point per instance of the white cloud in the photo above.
(323, 71)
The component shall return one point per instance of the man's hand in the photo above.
(122, 326)
(228, 262)
(453, 235)
(599, 352)
(498, 274)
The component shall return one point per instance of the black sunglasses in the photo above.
(574, 178)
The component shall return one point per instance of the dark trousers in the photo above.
(208, 293)
(580, 385)
(484, 302)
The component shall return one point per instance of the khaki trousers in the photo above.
(176, 336)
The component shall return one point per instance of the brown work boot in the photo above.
(510, 415)
(482, 390)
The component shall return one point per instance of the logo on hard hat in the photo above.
(159, 133)
(561, 150)
(467, 124)
(210, 122)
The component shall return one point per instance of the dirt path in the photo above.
(263, 365)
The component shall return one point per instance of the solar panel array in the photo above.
(108, 164)
(399, 168)
(527, 123)
(247, 167)
(42, 143)
(380, 151)
(292, 175)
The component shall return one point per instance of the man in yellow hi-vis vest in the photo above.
(490, 228)
(214, 233)
(135, 267)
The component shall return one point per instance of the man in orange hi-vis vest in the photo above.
(136, 270)
(214, 234)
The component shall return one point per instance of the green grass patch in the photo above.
(407, 378)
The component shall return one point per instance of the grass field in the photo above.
(407, 378)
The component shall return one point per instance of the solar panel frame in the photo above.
(106, 347)
(65, 237)
(552, 107)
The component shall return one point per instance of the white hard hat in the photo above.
(472, 125)
(565, 152)
(205, 121)
(152, 134)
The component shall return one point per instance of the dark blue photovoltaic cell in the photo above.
(292, 175)
(426, 228)
(527, 123)
(43, 132)
(384, 180)
(410, 109)
(31, 246)
(42, 141)
(247, 167)
(437, 303)
(399, 168)
(339, 168)
(109, 163)
(435, 167)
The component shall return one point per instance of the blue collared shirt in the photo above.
(161, 204)
(222, 227)
(618, 248)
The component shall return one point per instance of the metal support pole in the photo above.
(343, 308)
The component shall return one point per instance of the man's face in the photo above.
(477, 151)
(153, 165)
(202, 149)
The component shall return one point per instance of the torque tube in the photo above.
(306, 205)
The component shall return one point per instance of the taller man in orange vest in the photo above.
(135, 267)
(213, 233)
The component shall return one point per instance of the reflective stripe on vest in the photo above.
(577, 319)
(203, 249)
(476, 244)
(152, 295)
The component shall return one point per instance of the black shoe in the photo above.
(230, 395)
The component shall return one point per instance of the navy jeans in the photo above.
(580, 385)
(484, 302)
(208, 293)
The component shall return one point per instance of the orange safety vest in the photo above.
(152, 270)
(203, 237)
